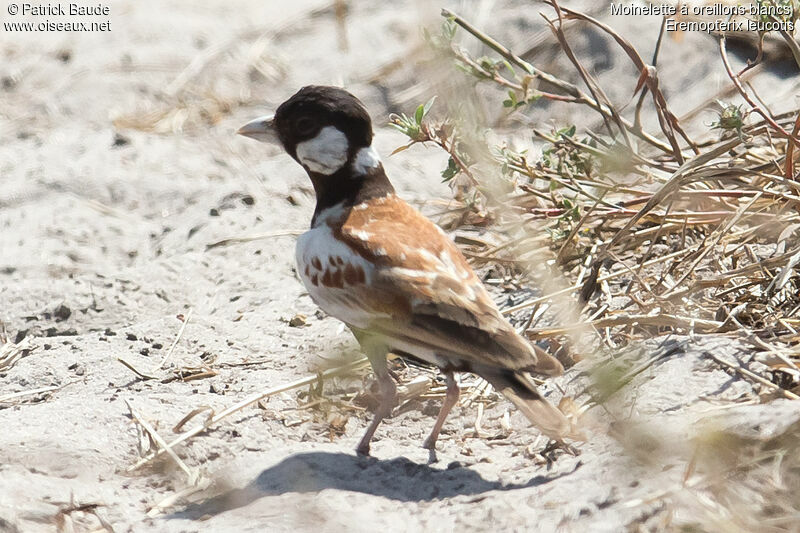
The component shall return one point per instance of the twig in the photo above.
(794, 47)
(571, 89)
(669, 122)
(660, 320)
(757, 108)
(133, 369)
(10, 353)
(177, 338)
(789, 164)
(20, 394)
(637, 121)
(159, 508)
(190, 474)
(755, 377)
(256, 237)
(594, 88)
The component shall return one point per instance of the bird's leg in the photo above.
(450, 400)
(386, 401)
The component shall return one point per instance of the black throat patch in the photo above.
(348, 188)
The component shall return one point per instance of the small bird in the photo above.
(390, 274)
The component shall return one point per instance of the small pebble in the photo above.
(120, 140)
(298, 320)
(62, 312)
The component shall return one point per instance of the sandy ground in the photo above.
(119, 165)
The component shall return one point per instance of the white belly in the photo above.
(318, 255)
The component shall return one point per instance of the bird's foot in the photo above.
(362, 450)
(554, 446)
(432, 457)
(430, 445)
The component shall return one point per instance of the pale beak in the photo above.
(261, 129)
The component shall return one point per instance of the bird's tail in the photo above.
(545, 363)
(523, 394)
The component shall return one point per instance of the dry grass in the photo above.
(652, 233)
(11, 352)
(688, 231)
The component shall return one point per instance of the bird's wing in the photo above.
(435, 300)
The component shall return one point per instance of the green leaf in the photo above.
(449, 28)
(428, 105)
(511, 101)
(451, 170)
(463, 67)
(533, 98)
(422, 110)
(567, 132)
(419, 114)
(406, 125)
(486, 62)
(509, 67)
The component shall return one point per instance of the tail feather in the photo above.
(523, 394)
(545, 363)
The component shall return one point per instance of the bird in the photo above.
(390, 274)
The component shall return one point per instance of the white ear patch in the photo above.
(326, 153)
(366, 158)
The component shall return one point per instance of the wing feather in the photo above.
(440, 305)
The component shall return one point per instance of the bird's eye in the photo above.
(304, 126)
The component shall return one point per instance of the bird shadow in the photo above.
(398, 479)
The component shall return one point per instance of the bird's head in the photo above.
(325, 129)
